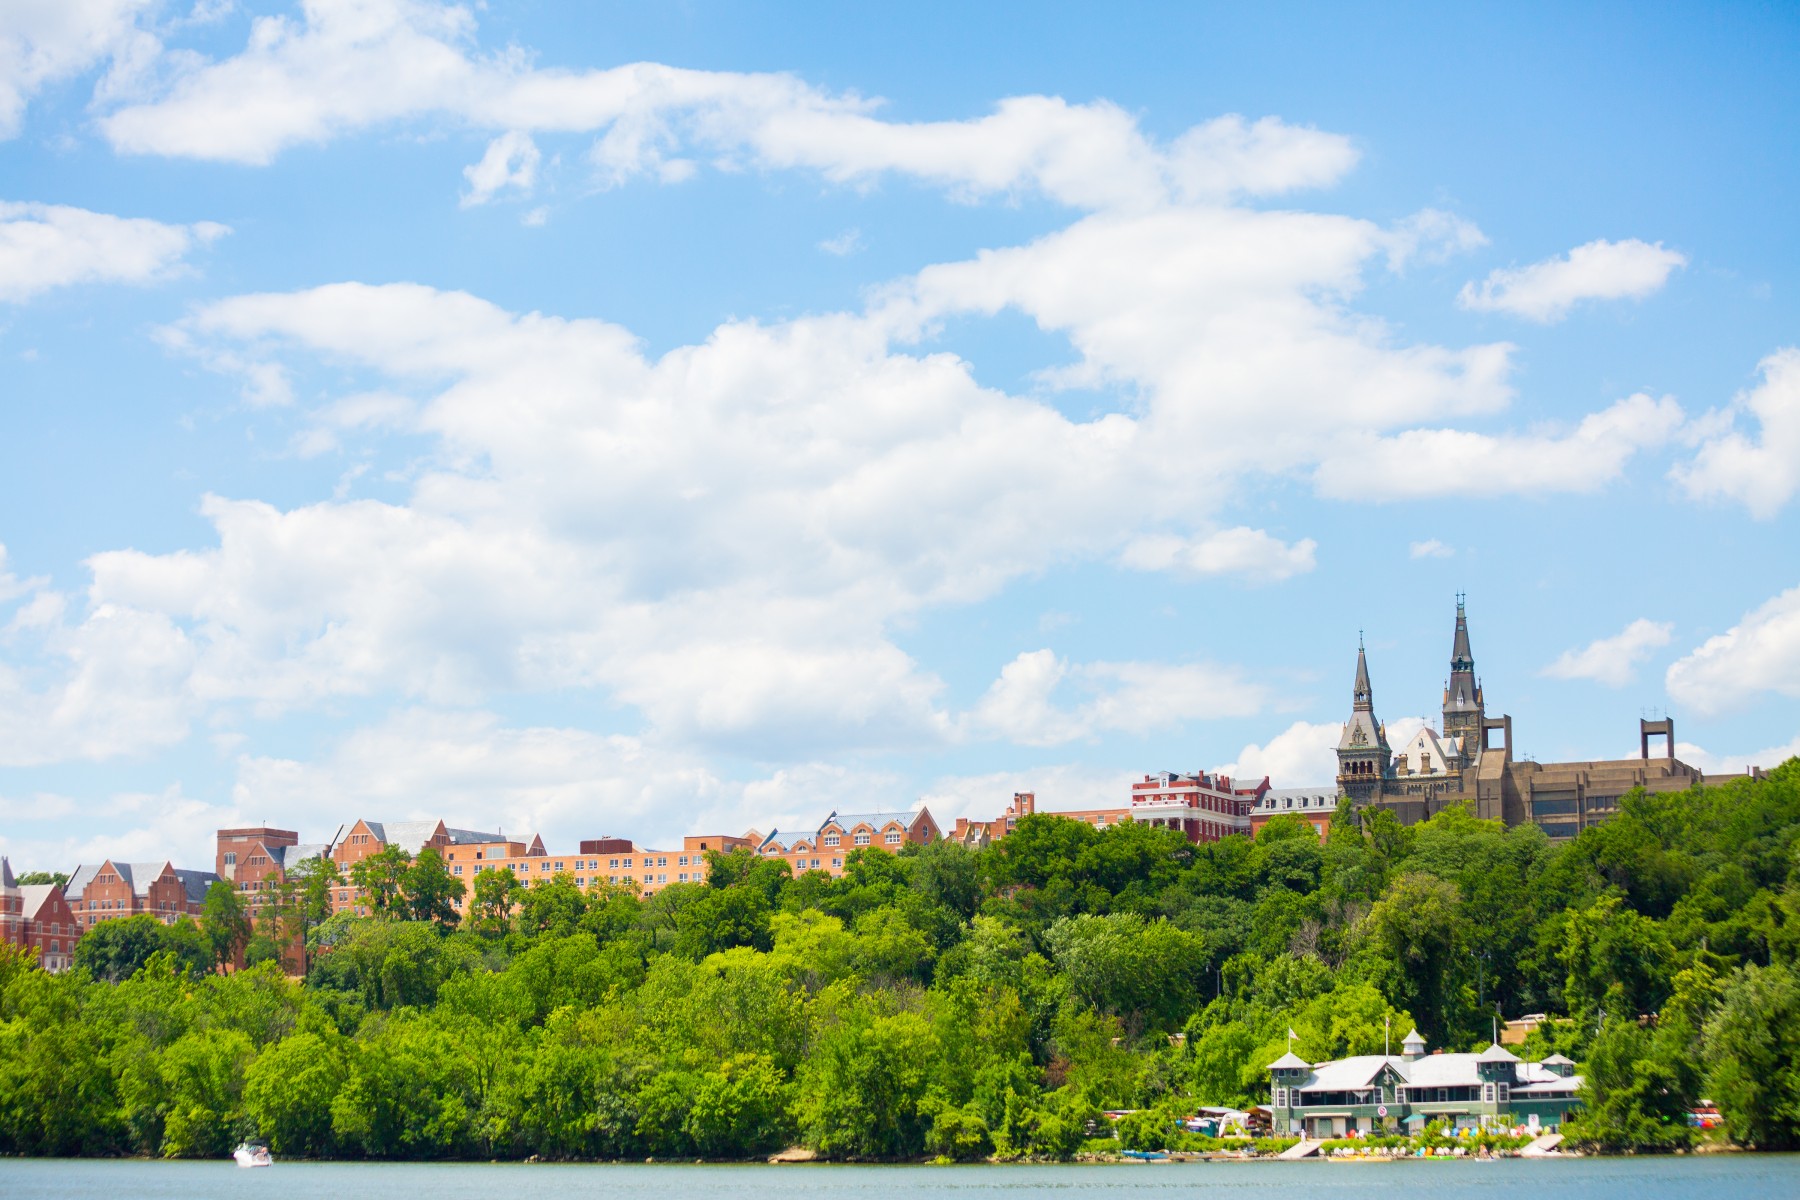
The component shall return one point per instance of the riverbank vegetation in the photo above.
(941, 1002)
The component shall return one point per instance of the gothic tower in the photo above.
(1364, 759)
(1463, 706)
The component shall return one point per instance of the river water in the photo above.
(1739, 1176)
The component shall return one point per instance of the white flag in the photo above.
(1291, 1034)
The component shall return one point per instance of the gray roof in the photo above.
(1433, 1070)
(873, 819)
(33, 896)
(1289, 1060)
(1559, 1060)
(141, 875)
(6, 875)
(289, 857)
(1497, 1053)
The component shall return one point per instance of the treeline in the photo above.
(939, 1001)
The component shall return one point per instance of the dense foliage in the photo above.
(937, 1002)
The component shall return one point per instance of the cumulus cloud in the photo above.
(347, 65)
(1130, 697)
(1429, 548)
(1302, 755)
(1736, 763)
(1251, 553)
(511, 161)
(1059, 788)
(1760, 654)
(1761, 473)
(43, 42)
(1600, 270)
(124, 826)
(45, 246)
(1613, 660)
(1430, 462)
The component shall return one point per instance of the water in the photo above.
(1740, 1177)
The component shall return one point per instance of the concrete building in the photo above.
(1405, 1092)
(36, 916)
(1469, 759)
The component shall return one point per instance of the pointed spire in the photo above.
(1364, 696)
(6, 875)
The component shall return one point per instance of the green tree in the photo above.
(429, 890)
(382, 879)
(1752, 1042)
(491, 907)
(225, 920)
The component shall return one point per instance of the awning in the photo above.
(1309, 1113)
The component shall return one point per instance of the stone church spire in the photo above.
(1363, 698)
(1463, 707)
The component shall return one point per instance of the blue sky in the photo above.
(643, 420)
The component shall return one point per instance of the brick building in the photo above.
(1201, 807)
(119, 889)
(825, 848)
(37, 916)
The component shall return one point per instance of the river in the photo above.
(1739, 1176)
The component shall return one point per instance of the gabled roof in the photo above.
(1495, 1053)
(1414, 1036)
(1289, 1061)
(1347, 1074)
(289, 857)
(35, 896)
(875, 820)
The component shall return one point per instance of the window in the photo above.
(837, 862)
(662, 862)
(1506, 1093)
(624, 862)
(580, 882)
(1281, 1097)
(682, 862)
(544, 868)
(457, 869)
(612, 864)
(231, 858)
(559, 866)
(832, 839)
(682, 877)
(862, 839)
(662, 879)
(893, 837)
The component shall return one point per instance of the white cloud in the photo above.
(1302, 755)
(1761, 653)
(511, 161)
(1130, 697)
(1058, 788)
(127, 827)
(1431, 235)
(1600, 270)
(1430, 548)
(1762, 474)
(844, 244)
(43, 42)
(1734, 764)
(1612, 660)
(1431, 462)
(347, 65)
(44, 246)
(1251, 553)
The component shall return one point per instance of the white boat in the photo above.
(252, 1154)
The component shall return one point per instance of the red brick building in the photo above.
(825, 848)
(119, 889)
(37, 916)
(1202, 807)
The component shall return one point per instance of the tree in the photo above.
(490, 909)
(381, 877)
(29, 878)
(1753, 1043)
(1413, 930)
(115, 950)
(225, 920)
(429, 890)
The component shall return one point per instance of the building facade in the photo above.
(826, 847)
(119, 889)
(1316, 806)
(1469, 759)
(1405, 1092)
(36, 916)
(1202, 807)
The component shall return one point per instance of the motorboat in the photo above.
(252, 1154)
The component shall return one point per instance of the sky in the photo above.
(643, 420)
